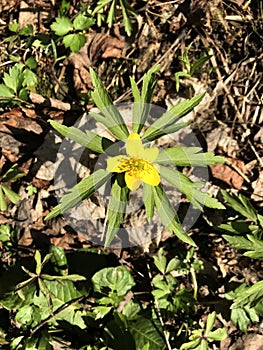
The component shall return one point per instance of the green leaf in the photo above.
(188, 156)
(160, 261)
(238, 227)
(145, 332)
(38, 262)
(116, 211)
(27, 30)
(100, 5)
(112, 14)
(83, 190)
(13, 27)
(112, 118)
(3, 204)
(251, 296)
(61, 26)
(5, 91)
(30, 78)
(170, 117)
(148, 200)
(253, 245)
(117, 279)
(14, 78)
(141, 107)
(177, 77)
(190, 189)
(87, 139)
(168, 215)
(14, 197)
(82, 22)
(241, 204)
(58, 255)
(211, 318)
(217, 335)
(101, 311)
(126, 18)
(240, 319)
(31, 63)
(74, 41)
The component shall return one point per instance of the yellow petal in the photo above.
(134, 147)
(150, 176)
(132, 181)
(116, 164)
(150, 154)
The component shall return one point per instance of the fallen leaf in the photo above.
(227, 174)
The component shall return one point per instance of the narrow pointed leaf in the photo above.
(13, 197)
(171, 117)
(83, 190)
(3, 204)
(117, 206)
(188, 156)
(112, 116)
(168, 215)
(148, 200)
(87, 139)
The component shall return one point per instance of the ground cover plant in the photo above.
(186, 286)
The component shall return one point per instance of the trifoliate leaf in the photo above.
(61, 26)
(74, 41)
(82, 22)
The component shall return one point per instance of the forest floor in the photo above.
(228, 122)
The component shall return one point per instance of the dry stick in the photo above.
(158, 312)
(159, 61)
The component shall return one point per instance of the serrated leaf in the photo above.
(116, 211)
(217, 335)
(112, 118)
(112, 14)
(5, 91)
(188, 156)
(148, 200)
(74, 41)
(252, 245)
(13, 197)
(61, 26)
(82, 22)
(31, 63)
(141, 106)
(171, 117)
(144, 332)
(211, 318)
(13, 27)
(30, 78)
(117, 279)
(83, 190)
(240, 319)
(14, 78)
(3, 204)
(160, 261)
(27, 30)
(168, 215)
(100, 5)
(87, 139)
(101, 311)
(190, 189)
(241, 204)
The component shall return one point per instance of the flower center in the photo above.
(134, 165)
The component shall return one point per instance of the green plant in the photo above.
(189, 69)
(200, 338)
(72, 32)
(245, 233)
(141, 165)
(110, 17)
(17, 83)
(11, 175)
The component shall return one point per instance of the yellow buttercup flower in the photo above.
(138, 164)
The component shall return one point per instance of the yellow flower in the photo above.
(137, 165)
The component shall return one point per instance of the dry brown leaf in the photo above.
(227, 174)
